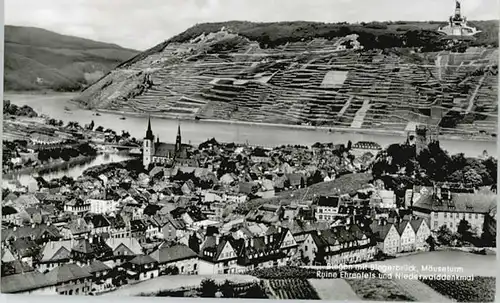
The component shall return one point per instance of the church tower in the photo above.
(148, 148)
(178, 140)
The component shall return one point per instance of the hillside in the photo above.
(374, 75)
(37, 59)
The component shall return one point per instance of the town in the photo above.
(225, 208)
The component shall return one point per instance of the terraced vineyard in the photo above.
(317, 82)
(293, 289)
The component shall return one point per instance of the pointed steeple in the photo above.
(178, 141)
(149, 132)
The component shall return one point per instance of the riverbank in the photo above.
(326, 129)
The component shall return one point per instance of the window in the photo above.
(446, 215)
(470, 216)
(435, 215)
(477, 216)
(456, 215)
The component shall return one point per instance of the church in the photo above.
(160, 153)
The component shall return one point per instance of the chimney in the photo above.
(279, 229)
(217, 239)
(319, 232)
(265, 239)
(251, 242)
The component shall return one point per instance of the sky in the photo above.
(141, 24)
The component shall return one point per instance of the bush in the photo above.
(208, 288)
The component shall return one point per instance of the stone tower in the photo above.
(421, 139)
(148, 148)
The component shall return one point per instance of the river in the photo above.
(74, 171)
(195, 132)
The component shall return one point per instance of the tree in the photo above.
(457, 176)
(227, 289)
(349, 145)
(208, 288)
(194, 243)
(464, 231)
(99, 129)
(473, 178)
(444, 235)
(432, 243)
(487, 238)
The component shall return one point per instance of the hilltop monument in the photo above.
(457, 25)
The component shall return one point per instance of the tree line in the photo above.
(66, 153)
(435, 164)
(14, 110)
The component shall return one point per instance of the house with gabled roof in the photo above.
(40, 233)
(422, 233)
(407, 236)
(124, 249)
(338, 245)
(387, 237)
(218, 256)
(176, 259)
(442, 207)
(142, 267)
(118, 227)
(54, 253)
(76, 229)
(267, 213)
(101, 277)
(70, 279)
(10, 215)
(7, 255)
(98, 223)
(86, 251)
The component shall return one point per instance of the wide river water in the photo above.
(195, 132)
(69, 170)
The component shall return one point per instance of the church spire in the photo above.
(149, 132)
(178, 141)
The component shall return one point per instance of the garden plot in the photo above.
(334, 289)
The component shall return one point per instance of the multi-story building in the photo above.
(178, 258)
(77, 207)
(70, 279)
(142, 267)
(327, 208)
(422, 233)
(445, 208)
(218, 256)
(102, 206)
(406, 235)
(338, 245)
(387, 236)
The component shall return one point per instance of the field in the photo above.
(379, 290)
(293, 289)
(334, 289)
(481, 289)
